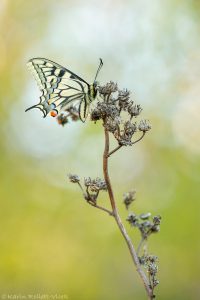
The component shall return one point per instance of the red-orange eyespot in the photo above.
(53, 113)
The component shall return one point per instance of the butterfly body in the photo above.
(60, 88)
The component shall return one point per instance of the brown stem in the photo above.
(140, 245)
(118, 219)
(143, 134)
(80, 187)
(93, 203)
(113, 151)
(102, 208)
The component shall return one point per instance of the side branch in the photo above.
(118, 147)
(113, 151)
(93, 203)
(143, 134)
(100, 207)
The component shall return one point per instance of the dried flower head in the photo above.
(124, 99)
(116, 109)
(144, 126)
(74, 178)
(145, 223)
(134, 110)
(109, 88)
(95, 185)
(152, 258)
(132, 219)
(152, 269)
(112, 125)
(149, 262)
(127, 133)
(128, 198)
(157, 220)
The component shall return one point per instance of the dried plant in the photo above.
(116, 110)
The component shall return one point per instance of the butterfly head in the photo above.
(95, 85)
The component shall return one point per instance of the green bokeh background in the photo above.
(51, 241)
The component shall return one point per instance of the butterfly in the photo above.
(60, 87)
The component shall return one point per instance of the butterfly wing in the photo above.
(59, 86)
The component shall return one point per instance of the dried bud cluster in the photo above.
(124, 100)
(128, 198)
(111, 110)
(92, 187)
(144, 125)
(124, 137)
(142, 222)
(74, 178)
(114, 102)
(132, 219)
(108, 89)
(95, 185)
(149, 262)
(134, 110)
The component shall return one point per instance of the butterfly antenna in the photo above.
(99, 68)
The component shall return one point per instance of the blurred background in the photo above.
(51, 241)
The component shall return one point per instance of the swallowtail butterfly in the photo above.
(61, 87)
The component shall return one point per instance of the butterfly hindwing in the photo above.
(59, 86)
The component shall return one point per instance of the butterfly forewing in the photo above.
(60, 87)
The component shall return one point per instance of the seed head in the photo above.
(124, 99)
(128, 198)
(134, 110)
(144, 126)
(132, 219)
(95, 185)
(74, 178)
(109, 88)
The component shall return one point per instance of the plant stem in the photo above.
(93, 203)
(100, 207)
(140, 245)
(118, 219)
(143, 134)
(113, 151)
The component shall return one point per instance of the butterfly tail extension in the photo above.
(40, 107)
